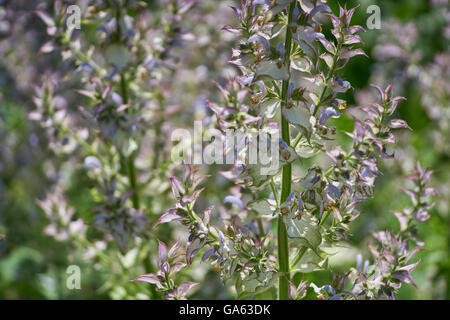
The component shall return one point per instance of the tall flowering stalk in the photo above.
(391, 253)
(283, 246)
(120, 63)
(290, 72)
(401, 55)
(113, 76)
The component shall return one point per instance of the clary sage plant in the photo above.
(290, 81)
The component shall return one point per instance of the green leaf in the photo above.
(263, 207)
(254, 284)
(269, 294)
(307, 150)
(304, 43)
(305, 231)
(269, 107)
(272, 69)
(298, 115)
(311, 261)
(253, 173)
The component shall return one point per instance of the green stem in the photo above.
(298, 257)
(133, 183)
(274, 191)
(448, 261)
(329, 75)
(131, 169)
(283, 247)
(297, 140)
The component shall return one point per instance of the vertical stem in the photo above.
(131, 169)
(283, 248)
(329, 75)
(448, 262)
(133, 184)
